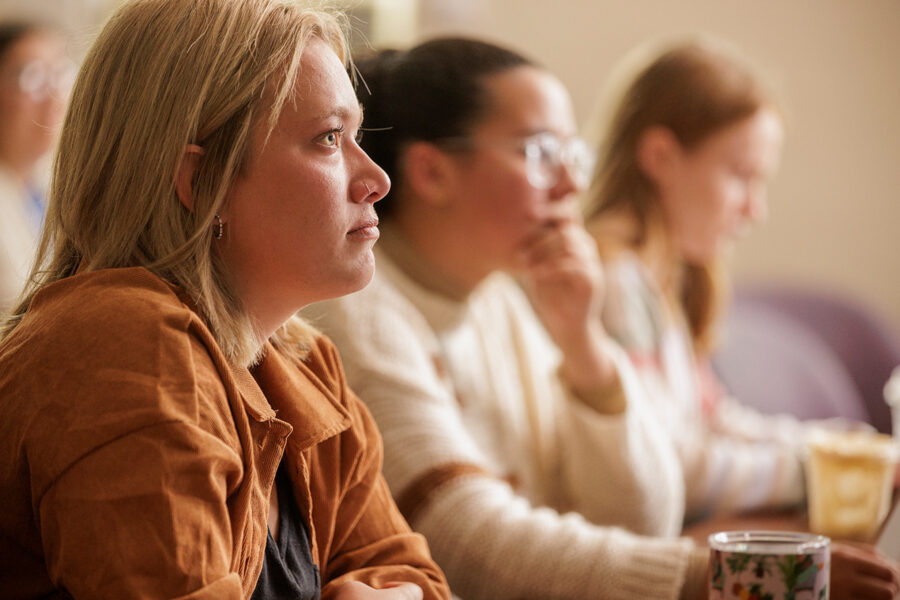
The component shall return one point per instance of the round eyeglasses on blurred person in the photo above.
(545, 156)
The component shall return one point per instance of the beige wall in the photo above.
(835, 205)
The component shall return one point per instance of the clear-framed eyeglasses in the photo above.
(40, 79)
(545, 156)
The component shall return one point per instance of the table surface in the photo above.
(794, 519)
(771, 520)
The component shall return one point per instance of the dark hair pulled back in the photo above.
(13, 31)
(431, 92)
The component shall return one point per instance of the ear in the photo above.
(657, 150)
(428, 173)
(184, 175)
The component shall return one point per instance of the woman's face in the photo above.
(35, 78)
(495, 206)
(710, 194)
(299, 222)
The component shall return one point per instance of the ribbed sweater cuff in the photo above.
(650, 567)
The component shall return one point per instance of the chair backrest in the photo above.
(810, 353)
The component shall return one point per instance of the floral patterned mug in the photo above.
(768, 565)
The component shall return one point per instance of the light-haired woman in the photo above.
(688, 147)
(169, 429)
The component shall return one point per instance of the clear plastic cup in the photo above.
(769, 564)
(849, 480)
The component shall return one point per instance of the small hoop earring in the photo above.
(219, 228)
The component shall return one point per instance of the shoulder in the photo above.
(625, 271)
(504, 311)
(633, 309)
(129, 300)
(100, 323)
(102, 355)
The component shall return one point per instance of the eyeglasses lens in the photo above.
(546, 154)
(41, 80)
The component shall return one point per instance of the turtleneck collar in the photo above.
(411, 262)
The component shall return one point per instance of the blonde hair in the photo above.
(164, 74)
(693, 88)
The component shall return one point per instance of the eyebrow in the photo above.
(339, 112)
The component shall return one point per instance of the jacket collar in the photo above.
(288, 388)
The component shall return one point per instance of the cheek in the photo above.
(514, 207)
(731, 203)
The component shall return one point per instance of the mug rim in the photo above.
(793, 542)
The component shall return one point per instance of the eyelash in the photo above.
(339, 132)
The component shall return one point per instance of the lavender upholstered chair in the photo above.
(810, 353)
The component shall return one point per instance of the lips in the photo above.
(368, 229)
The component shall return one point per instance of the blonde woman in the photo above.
(169, 429)
(686, 155)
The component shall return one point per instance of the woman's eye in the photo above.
(332, 139)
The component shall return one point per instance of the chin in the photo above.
(362, 276)
(702, 256)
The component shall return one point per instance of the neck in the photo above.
(441, 245)
(16, 166)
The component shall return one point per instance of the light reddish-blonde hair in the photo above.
(693, 88)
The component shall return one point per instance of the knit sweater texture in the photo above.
(521, 489)
(734, 457)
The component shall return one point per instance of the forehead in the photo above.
(525, 100)
(33, 45)
(322, 88)
(762, 128)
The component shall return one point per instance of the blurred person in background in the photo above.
(523, 457)
(168, 427)
(516, 438)
(686, 154)
(35, 76)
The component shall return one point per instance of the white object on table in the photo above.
(892, 397)
(889, 540)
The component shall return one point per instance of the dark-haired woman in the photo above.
(523, 457)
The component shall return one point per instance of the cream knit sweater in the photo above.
(734, 457)
(521, 490)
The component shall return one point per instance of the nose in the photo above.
(757, 207)
(566, 183)
(372, 184)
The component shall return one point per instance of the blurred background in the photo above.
(834, 219)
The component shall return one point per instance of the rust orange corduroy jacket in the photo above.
(135, 462)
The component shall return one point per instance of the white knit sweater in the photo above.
(734, 457)
(18, 239)
(521, 490)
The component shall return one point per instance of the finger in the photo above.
(563, 212)
(877, 568)
(866, 560)
(403, 590)
(569, 241)
(562, 271)
(874, 589)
